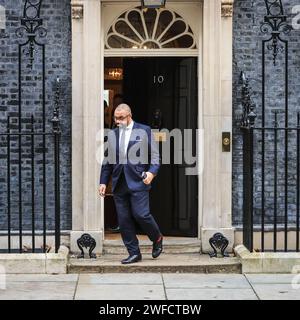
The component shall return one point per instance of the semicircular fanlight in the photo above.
(150, 29)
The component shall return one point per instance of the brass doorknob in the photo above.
(226, 141)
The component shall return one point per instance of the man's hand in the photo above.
(149, 178)
(102, 189)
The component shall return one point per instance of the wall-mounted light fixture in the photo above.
(153, 3)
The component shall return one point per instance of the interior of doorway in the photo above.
(113, 96)
(118, 76)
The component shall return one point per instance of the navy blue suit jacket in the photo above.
(142, 144)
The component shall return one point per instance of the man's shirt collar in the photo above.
(130, 126)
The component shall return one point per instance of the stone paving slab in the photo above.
(42, 277)
(120, 292)
(149, 286)
(38, 291)
(271, 278)
(210, 294)
(131, 278)
(205, 281)
(276, 291)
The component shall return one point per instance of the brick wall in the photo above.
(247, 57)
(57, 21)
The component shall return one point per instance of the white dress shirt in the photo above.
(128, 131)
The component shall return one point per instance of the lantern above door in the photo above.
(153, 3)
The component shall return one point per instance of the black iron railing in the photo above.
(30, 140)
(247, 124)
(259, 215)
(271, 158)
(31, 146)
(264, 166)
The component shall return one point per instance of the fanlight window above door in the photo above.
(150, 29)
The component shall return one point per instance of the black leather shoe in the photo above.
(115, 230)
(132, 259)
(157, 247)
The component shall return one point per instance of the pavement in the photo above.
(150, 286)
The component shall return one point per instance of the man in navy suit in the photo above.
(133, 160)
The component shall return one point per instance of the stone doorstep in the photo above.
(171, 246)
(268, 262)
(167, 263)
(35, 263)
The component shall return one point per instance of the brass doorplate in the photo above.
(226, 141)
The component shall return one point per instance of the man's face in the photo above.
(122, 118)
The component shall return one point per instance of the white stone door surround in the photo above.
(215, 115)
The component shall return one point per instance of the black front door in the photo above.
(170, 85)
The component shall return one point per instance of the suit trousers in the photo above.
(133, 205)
